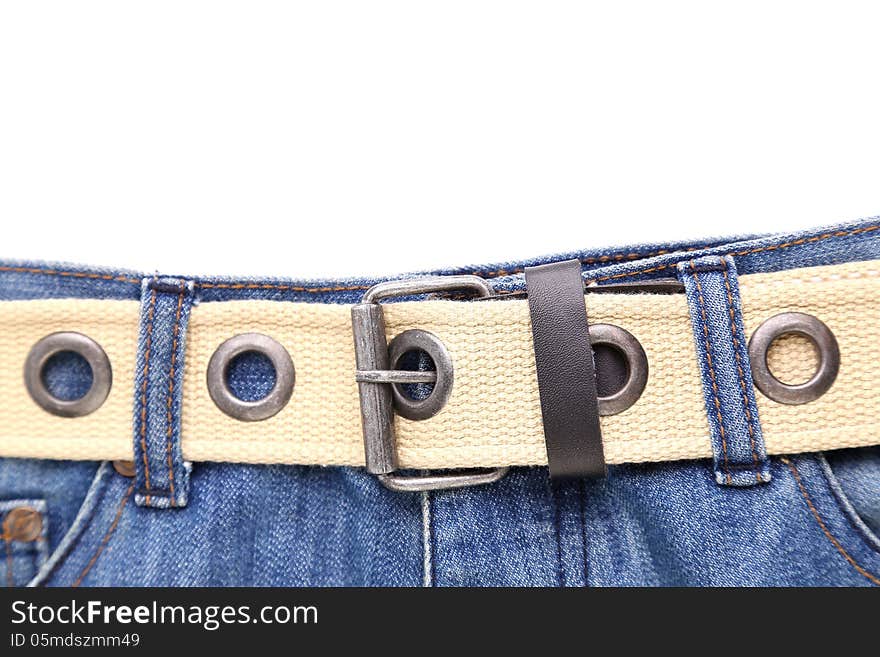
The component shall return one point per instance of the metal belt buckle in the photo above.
(375, 379)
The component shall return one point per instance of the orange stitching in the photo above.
(233, 286)
(73, 274)
(772, 247)
(10, 580)
(485, 274)
(617, 257)
(490, 274)
(728, 478)
(791, 466)
(144, 392)
(815, 238)
(170, 402)
(739, 369)
(287, 288)
(106, 538)
(650, 270)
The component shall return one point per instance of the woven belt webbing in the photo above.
(493, 416)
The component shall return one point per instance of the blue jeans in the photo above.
(813, 520)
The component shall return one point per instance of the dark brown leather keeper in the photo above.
(566, 372)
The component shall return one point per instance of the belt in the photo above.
(491, 417)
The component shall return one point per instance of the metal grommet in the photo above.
(102, 375)
(637, 366)
(415, 340)
(794, 324)
(251, 411)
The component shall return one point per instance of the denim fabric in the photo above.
(254, 525)
(162, 476)
(723, 356)
(250, 376)
(67, 375)
(813, 522)
(856, 471)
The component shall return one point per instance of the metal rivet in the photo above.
(637, 365)
(23, 524)
(251, 411)
(102, 376)
(125, 468)
(794, 324)
(416, 340)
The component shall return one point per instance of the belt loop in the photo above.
(565, 369)
(161, 475)
(722, 353)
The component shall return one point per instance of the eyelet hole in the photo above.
(813, 329)
(612, 369)
(793, 359)
(416, 360)
(67, 376)
(229, 382)
(408, 347)
(621, 368)
(251, 376)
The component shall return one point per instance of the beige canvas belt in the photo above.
(493, 415)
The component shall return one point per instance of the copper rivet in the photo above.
(125, 468)
(23, 524)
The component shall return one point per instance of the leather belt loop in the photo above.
(566, 372)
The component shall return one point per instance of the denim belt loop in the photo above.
(161, 474)
(740, 458)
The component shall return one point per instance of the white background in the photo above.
(339, 138)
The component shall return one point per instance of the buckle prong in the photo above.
(394, 376)
(375, 378)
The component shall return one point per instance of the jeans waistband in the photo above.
(698, 401)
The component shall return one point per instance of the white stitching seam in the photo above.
(427, 579)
